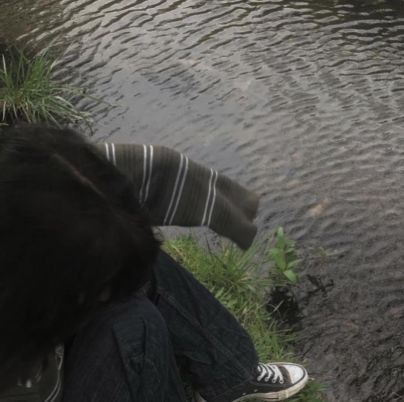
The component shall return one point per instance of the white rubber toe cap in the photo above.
(296, 372)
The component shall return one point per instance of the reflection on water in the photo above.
(303, 101)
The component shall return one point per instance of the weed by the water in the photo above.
(285, 259)
(236, 278)
(29, 93)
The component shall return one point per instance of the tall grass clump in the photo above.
(238, 280)
(30, 93)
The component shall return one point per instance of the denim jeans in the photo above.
(135, 351)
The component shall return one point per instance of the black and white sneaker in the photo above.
(273, 382)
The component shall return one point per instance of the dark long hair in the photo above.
(70, 226)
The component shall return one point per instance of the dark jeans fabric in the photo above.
(134, 351)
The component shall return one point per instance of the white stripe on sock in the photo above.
(181, 190)
(149, 177)
(208, 198)
(214, 198)
(174, 189)
(113, 153)
(107, 150)
(144, 174)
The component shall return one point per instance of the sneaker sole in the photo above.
(272, 396)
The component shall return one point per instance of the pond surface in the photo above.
(303, 101)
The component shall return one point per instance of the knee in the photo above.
(131, 319)
(120, 345)
(134, 311)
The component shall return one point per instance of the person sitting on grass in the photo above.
(91, 308)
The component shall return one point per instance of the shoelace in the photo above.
(268, 371)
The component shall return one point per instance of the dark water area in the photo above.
(303, 101)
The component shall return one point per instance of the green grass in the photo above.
(29, 92)
(236, 278)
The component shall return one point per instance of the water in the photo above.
(302, 101)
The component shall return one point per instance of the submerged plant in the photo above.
(285, 259)
(29, 92)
